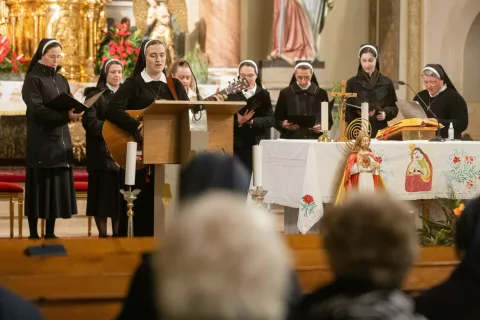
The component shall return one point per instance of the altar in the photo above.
(305, 175)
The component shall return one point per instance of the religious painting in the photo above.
(418, 176)
(384, 31)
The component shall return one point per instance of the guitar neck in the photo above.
(212, 97)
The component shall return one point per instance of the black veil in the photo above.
(251, 63)
(375, 48)
(443, 75)
(307, 64)
(39, 53)
(141, 59)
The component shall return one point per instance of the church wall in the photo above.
(471, 59)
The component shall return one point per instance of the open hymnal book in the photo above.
(411, 109)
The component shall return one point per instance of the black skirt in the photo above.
(50, 193)
(103, 197)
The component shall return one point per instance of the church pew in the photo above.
(93, 279)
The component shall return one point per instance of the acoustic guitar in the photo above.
(116, 139)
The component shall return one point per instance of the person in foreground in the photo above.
(104, 183)
(147, 84)
(373, 87)
(441, 96)
(49, 188)
(14, 307)
(222, 259)
(459, 296)
(303, 97)
(369, 265)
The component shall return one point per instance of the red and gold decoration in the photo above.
(10, 61)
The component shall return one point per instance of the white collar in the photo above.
(112, 88)
(148, 79)
(304, 88)
(440, 91)
(251, 92)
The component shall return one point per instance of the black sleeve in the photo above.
(41, 114)
(93, 126)
(268, 120)
(351, 113)
(330, 111)
(181, 92)
(458, 113)
(391, 110)
(280, 111)
(116, 108)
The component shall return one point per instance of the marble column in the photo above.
(414, 47)
(223, 32)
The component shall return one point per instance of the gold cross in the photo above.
(343, 95)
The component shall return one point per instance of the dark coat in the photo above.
(244, 137)
(382, 97)
(13, 307)
(295, 101)
(98, 156)
(48, 138)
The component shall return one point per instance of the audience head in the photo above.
(208, 171)
(368, 56)
(468, 231)
(372, 238)
(222, 259)
(180, 69)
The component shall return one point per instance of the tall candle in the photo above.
(364, 107)
(257, 166)
(324, 123)
(131, 163)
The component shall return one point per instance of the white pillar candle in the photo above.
(324, 123)
(257, 166)
(131, 163)
(364, 107)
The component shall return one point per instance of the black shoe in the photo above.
(34, 237)
(51, 236)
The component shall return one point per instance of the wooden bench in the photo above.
(92, 281)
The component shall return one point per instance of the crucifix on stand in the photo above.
(343, 95)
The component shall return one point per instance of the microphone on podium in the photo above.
(439, 137)
(198, 107)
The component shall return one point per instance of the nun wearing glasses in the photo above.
(303, 97)
(372, 87)
(49, 190)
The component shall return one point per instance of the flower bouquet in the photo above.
(10, 62)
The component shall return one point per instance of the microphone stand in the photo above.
(438, 137)
(199, 107)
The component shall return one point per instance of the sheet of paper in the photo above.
(411, 109)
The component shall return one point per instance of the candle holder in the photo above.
(130, 196)
(257, 194)
(324, 137)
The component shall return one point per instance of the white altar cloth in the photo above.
(305, 174)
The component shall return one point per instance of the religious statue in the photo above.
(362, 170)
(3, 18)
(296, 27)
(160, 28)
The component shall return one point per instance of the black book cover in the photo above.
(65, 102)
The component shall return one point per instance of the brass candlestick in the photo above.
(324, 137)
(130, 196)
(257, 194)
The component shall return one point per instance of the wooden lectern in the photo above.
(172, 130)
(409, 129)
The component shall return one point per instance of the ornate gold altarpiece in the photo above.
(79, 25)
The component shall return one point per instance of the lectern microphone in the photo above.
(439, 137)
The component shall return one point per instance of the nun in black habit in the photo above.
(49, 189)
(373, 87)
(443, 99)
(104, 182)
(459, 296)
(302, 97)
(147, 84)
(253, 122)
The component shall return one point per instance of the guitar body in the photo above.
(116, 140)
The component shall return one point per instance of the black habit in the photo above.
(136, 94)
(245, 136)
(379, 94)
(49, 188)
(293, 100)
(449, 106)
(104, 182)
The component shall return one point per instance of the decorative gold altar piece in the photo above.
(343, 95)
(130, 196)
(79, 25)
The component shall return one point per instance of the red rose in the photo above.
(104, 58)
(128, 43)
(123, 62)
(137, 50)
(124, 55)
(111, 44)
(307, 198)
(120, 49)
(111, 51)
(116, 57)
(130, 50)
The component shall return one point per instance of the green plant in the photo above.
(199, 66)
(442, 232)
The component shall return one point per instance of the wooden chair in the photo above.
(13, 193)
(81, 188)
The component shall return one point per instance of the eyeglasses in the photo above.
(248, 76)
(300, 78)
(55, 57)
